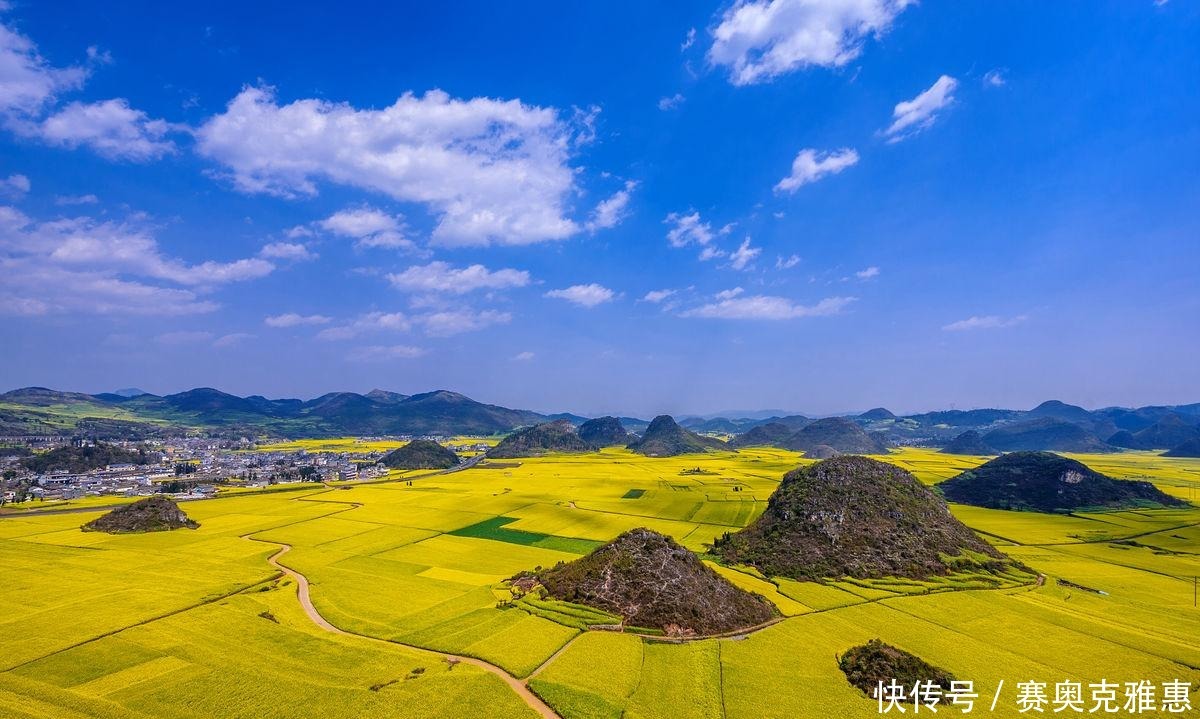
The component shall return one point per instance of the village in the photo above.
(185, 467)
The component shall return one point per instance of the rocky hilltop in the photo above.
(665, 438)
(604, 432)
(556, 436)
(841, 434)
(650, 581)
(970, 443)
(421, 454)
(153, 514)
(856, 517)
(1047, 482)
(771, 434)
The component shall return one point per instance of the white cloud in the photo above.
(442, 277)
(729, 293)
(86, 266)
(687, 229)
(994, 78)
(293, 319)
(710, 253)
(656, 296)
(523, 356)
(368, 227)
(452, 322)
(761, 39)
(76, 200)
(231, 339)
(27, 82)
(588, 295)
(287, 251)
(868, 273)
(370, 322)
(110, 127)
(671, 102)
(743, 255)
(382, 353)
(811, 165)
(612, 210)
(488, 170)
(689, 40)
(985, 322)
(764, 307)
(912, 116)
(14, 185)
(788, 263)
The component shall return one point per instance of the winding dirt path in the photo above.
(302, 594)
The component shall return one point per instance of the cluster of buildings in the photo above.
(186, 467)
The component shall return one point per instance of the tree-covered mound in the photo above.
(665, 438)
(153, 514)
(771, 434)
(1045, 433)
(857, 517)
(1170, 431)
(77, 459)
(969, 442)
(843, 435)
(421, 454)
(651, 581)
(604, 432)
(1047, 482)
(866, 665)
(1190, 448)
(556, 436)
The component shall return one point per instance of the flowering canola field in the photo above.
(198, 624)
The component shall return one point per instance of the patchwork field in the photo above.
(199, 624)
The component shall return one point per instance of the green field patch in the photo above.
(633, 494)
(496, 529)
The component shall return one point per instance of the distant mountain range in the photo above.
(130, 413)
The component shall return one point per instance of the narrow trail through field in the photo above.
(306, 604)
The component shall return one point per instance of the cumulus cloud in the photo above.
(687, 229)
(287, 251)
(994, 78)
(740, 258)
(383, 353)
(588, 295)
(88, 199)
(28, 83)
(447, 323)
(811, 165)
(656, 296)
(231, 339)
(729, 293)
(612, 210)
(523, 356)
(16, 185)
(489, 171)
(867, 273)
(111, 128)
(984, 322)
(765, 307)
(369, 227)
(30, 88)
(787, 263)
(758, 40)
(84, 265)
(441, 277)
(294, 319)
(670, 102)
(369, 322)
(912, 116)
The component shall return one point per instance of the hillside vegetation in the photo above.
(856, 517)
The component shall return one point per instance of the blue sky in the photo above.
(812, 205)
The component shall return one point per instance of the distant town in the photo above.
(188, 467)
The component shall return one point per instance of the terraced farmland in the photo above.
(199, 624)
